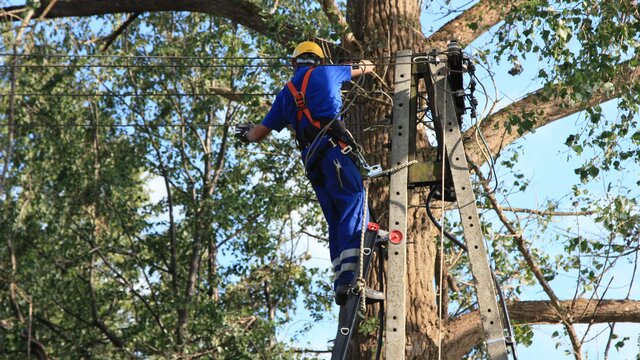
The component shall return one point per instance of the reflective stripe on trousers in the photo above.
(341, 197)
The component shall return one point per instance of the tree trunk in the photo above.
(400, 20)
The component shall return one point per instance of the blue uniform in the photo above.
(334, 176)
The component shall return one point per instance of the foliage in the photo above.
(204, 261)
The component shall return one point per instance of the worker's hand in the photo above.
(241, 130)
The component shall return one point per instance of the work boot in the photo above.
(343, 291)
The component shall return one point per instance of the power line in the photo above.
(129, 94)
(188, 66)
(135, 95)
(4, 125)
(106, 56)
(111, 125)
(80, 56)
(30, 66)
(178, 61)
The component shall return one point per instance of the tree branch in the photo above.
(226, 93)
(534, 267)
(466, 331)
(549, 213)
(542, 107)
(109, 39)
(245, 12)
(46, 10)
(338, 21)
(472, 23)
(95, 314)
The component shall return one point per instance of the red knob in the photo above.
(396, 237)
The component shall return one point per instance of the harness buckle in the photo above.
(346, 150)
(301, 103)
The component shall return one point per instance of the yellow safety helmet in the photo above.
(308, 47)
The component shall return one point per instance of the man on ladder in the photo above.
(311, 104)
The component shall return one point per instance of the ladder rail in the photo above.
(348, 319)
(444, 111)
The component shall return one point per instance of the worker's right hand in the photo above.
(241, 130)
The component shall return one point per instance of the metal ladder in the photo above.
(348, 318)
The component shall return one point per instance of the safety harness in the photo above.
(343, 138)
(338, 133)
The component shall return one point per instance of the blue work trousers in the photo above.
(338, 185)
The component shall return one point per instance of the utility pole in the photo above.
(438, 71)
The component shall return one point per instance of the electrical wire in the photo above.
(158, 94)
(435, 222)
(105, 94)
(381, 312)
(492, 170)
(510, 339)
(487, 155)
(503, 304)
(112, 125)
(174, 62)
(177, 57)
(151, 66)
(48, 125)
(131, 94)
(441, 263)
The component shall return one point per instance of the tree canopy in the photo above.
(134, 225)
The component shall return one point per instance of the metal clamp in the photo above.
(372, 170)
(491, 341)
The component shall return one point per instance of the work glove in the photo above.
(241, 130)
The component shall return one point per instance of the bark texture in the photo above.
(385, 27)
(472, 23)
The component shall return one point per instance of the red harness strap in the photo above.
(301, 102)
(300, 98)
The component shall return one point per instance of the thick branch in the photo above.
(466, 331)
(111, 38)
(227, 93)
(472, 23)
(244, 12)
(338, 21)
(549, 213)
(542, 108)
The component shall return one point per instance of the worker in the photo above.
(311, 104)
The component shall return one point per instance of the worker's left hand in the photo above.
(241, 130)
